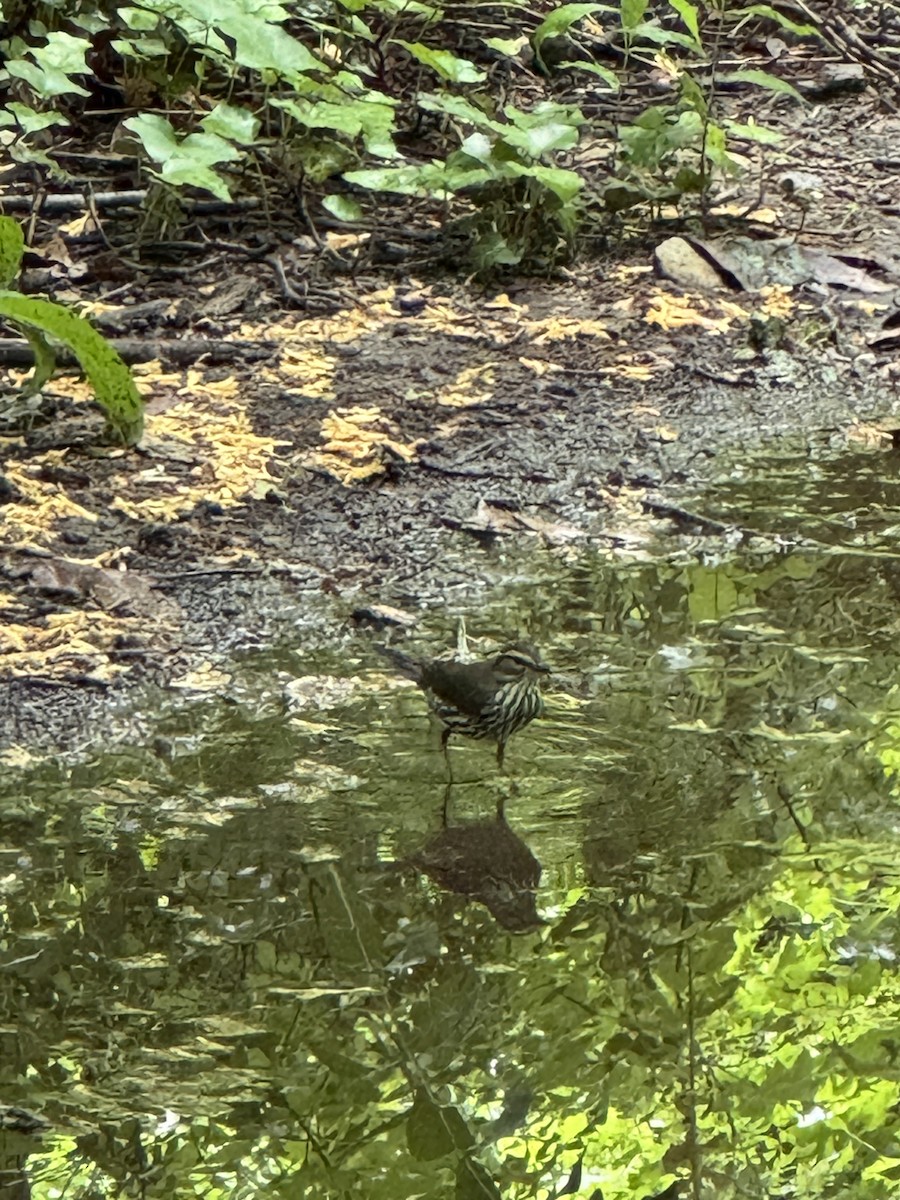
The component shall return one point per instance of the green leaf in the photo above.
(138, 19)
(186, 172)
(265, 47)
(474, 1183)
(107, 374)
(29, 119)
(156, 135)
(493, 250)
(564, 184)
(563, 18)
(507, 46)
(632, 13)
(763, 79)
(62, 56)
(12, 247)
(373, 119)
(409, 8)
(541, 139)
(445, 64)
(228, 121)
(649, 32)
(185, 162)
(755, 133)
(462, 109)
(766, 10)
(147, 47)
(405, 181)
(343, 208)
(433, 1130)
(432, 179)
(478, 146)
(605, 73)
(688, 14)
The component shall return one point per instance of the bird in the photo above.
(490, 699)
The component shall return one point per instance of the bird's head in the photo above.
(519, 661)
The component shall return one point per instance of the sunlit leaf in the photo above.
(448, 66)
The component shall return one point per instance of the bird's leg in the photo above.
(445, 738)
(501, 747)
(445, 807)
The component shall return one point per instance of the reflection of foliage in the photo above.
(714, 999)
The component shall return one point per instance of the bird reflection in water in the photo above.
(486, 861)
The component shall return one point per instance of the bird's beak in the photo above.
(542, 668)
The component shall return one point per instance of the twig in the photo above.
(180, 351)
(79, 201)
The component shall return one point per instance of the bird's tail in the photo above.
(407, 666)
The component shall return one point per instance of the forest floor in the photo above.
(313, 462)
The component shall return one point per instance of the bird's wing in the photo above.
(467, 686)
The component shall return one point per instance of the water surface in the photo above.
(249, 958)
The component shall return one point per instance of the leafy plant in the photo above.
(323, 91)
(37, 319)
(524, 205)
(678, 147)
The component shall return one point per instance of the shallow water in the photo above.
(248, 957)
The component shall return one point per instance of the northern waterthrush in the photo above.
(490, 699)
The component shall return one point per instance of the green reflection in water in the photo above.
(248, 959)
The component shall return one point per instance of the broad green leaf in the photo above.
(408, 8)
(542, 113)
(564, 184)
(764, 80)
(188, 172)
(229, 121)
(12, 247)
(766, 10)
(139, 19)
(632, 13)
(462, 109)
(445, 64)
(474, 1183)
(207, 148)
(406, 181)
(541, 139)
(432, 179)
(373, 119)
(266, 47)
(433, 1130)
(107, 374)
(648, 32)
(508, 46)
(478, 146)
(563, 18)
(688, 14)
(343, 208)
(605, 73)
(28, 119)
(146, 47)
(156, 135)
(756, 133)
(62, 56)
(187, 161)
